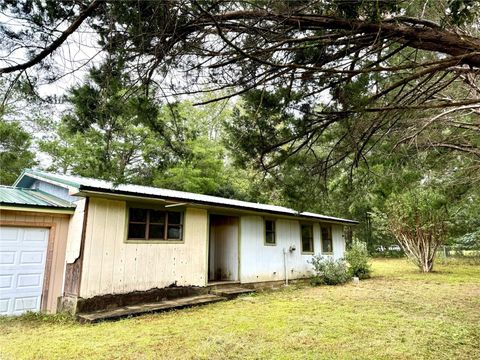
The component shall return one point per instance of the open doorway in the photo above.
(223, 248)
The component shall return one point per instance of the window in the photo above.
(156, 225)
(327, 243)
(307, 238)
(270, 232)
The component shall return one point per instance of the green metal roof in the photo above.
(25, 180)
(31, 197)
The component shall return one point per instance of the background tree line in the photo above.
(115, 132)
(363, 109)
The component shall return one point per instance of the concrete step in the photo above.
(133, 310)
(231, 292)
(213, 285)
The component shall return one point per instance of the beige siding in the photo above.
(75, 232)
(60, 222)
(112, 266)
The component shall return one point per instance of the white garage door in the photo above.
(23, 252)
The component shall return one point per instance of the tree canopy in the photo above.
(334, 61)
(343, 106)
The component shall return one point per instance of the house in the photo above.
(95, 244)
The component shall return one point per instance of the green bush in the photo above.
(38, 317)
(329, 271)
(357, 258)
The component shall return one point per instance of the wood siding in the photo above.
(58, 225)
(259, 262)
(112, 266)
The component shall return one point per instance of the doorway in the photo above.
(223, 248)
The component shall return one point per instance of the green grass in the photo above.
(398, 314)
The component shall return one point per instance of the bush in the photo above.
(357, 258)
(329, 271)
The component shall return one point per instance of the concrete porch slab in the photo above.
(231, 292)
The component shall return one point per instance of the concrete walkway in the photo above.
(133, 310)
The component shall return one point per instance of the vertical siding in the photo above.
(75, 232)
(59, 247)
(113, 266)
(260, 262)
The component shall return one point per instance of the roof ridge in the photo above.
(74, 175)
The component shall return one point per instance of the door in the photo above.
(223, 248)
(23, 253)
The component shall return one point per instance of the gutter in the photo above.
(45, 209)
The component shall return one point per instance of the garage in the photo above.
(23, 254)
(33, 236)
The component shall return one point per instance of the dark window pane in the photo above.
(326, 232)
(306, 245)
(157, 216)
(269, 225)
(327, 245)
(138, 215)
(307, 231)
(174, 218)
(270, 238)
(136, 231)
(156, 232)
(174, 232)
(307, 238)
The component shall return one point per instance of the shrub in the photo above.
(329, 271)
(418, 219)
(357, 259)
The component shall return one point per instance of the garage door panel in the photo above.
(22, 292)
(34, 235)
(22, 268)
(29, 280)
(6, 281)
(4, 306)
(26, 303)
(32, 257)
(10, 234)
(7, 257)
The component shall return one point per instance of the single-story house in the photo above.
(66, 239)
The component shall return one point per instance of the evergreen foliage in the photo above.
(15, 151)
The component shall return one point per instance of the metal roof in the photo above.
(80, 184)
(14, 196)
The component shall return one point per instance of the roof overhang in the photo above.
(132, 196)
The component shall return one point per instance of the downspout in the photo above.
(285, 265)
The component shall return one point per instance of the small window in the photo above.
(327, 243)
(270, 232)
(307, 238)
(155, 225)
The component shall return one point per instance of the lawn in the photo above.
(398, 314)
